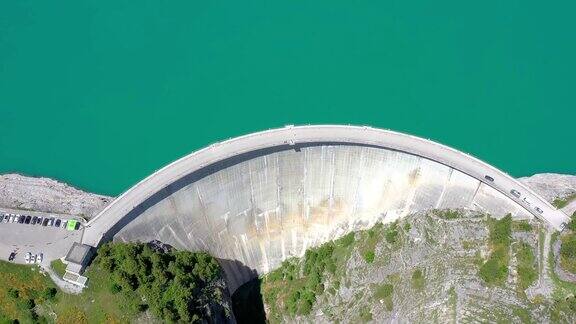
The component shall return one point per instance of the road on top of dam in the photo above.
(288, 136)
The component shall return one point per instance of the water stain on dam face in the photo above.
(259, 208)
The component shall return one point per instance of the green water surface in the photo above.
(101, 93)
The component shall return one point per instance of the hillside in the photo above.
(128, 283)
(442, 266)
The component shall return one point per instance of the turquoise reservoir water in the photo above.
(101, 93)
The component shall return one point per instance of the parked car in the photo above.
(45, 222)
(51, 221)
(28, 257)
(77, 227)
(64, 222)
(538, 209)
(6, 218)
(57, 223)
(39, 221)
(34, 219)
(28, 219)
(12, 256)
(489, 178)
(21, 219)
(40, 257)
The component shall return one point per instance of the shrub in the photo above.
(384, 291)
(495, 269)
(49, 293)
(346, 240)
(418, 279)
(500, 231)
(391, 233)
(369, 256)
(527, 272)
(407, 227)
(568, 253)
(522, 226)
(115, 288)
(13, 293)
(448, 214)
(27, 304)
(572, 224)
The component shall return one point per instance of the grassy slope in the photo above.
(59, 267)
(28, 281)
(95, 305)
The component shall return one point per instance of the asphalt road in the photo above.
(290, 135)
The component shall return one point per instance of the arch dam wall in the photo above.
(256, 209)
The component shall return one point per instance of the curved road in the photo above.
(291, 135)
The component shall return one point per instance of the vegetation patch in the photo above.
(526, 266)
(21, 289)
(563, 310)
(292, 289)
(384, 294)
(452, 301)
(572, 225)
(568, 252)
(365, 315)
(418, 279)
(495, 269)
(468, 244)
(563, 289)
(521, 226)
(369, 239)
(391, 233)
(563, 202)
(59, 267)
(407, 227)
(448, 214)
(177, 286)
(125, 280)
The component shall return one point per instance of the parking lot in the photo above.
(35, 235)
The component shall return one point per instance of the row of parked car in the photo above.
(34, 258)
(35, 220)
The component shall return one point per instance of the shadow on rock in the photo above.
(248, 304)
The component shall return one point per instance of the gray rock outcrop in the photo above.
(48, 195)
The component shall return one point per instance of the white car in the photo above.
(28, 257)
(39, 258)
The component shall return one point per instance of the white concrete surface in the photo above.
(463, 162)
(256, 200)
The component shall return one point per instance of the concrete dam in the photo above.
(259, 199)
